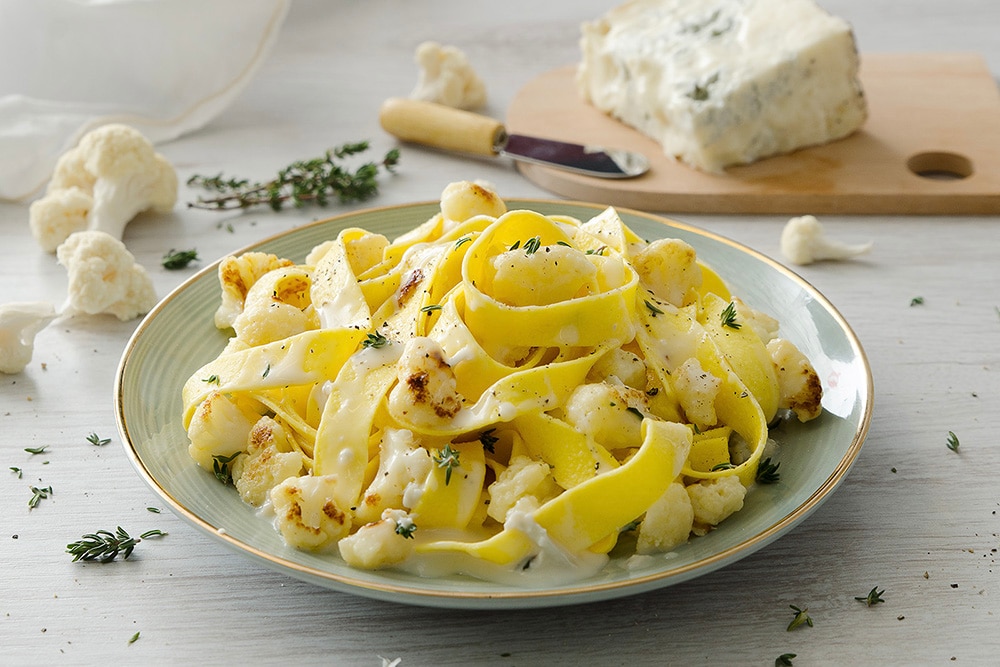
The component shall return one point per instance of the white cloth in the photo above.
(165, 67)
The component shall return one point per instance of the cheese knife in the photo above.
(453, 129)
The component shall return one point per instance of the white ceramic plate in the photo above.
(178, 337)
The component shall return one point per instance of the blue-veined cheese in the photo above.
(724, 82)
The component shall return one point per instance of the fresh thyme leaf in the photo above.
(636, 411)
(220, 466)
(784, 660)
(767, 472)
(431, 308)
(447, 458)
(36, 450)
(532, 245)
(729, 317)
(489, 440)
(517, 244)
(462, 241)
(97, 440)
(563, 243)
(652, 309)
(801, 617)
(104, 546)
(375, 340)
(725, 465)
(179, 259)
(267, 371)
(17, 471)
(211, 379)
(953, 442)
(134, 638)
(154, 510)
(916, 301)
(316, 180)
(38, 494)
(874, 597)
(599, 251)
(406, 528)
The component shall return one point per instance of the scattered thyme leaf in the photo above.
(873, 598)
(953, 443)
(134, 638)
(517, 244)
(406, 528)
(598, 251)
(211, 379)
(97, 440)
(636, 411)
(447, 458)
(38, 494)
(725, 465)
(462, 241)
(489, 440)
(431, 308)
(784, 660)
(375, 340)
(532, 245)
(316, 180)
(801, 617)
(179, 259)
(36, 450)
(267, 371)
(728, 317)
(916, 301)
(17, 471)
(652, 309)
(221, 468)
(767, 472)
(154, 510)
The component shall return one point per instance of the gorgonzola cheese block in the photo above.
(724, 82)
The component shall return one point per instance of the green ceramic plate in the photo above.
(178, 337)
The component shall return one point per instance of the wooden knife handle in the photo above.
(442, 126)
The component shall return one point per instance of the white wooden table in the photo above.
(913, 517)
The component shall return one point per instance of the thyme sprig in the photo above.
(405, 528)
(728, 317)
(316, 180)
(802, 617)
(952, 442)
(38, 494)
(104, 546)
(221, 467)
(767, 472)
(375, 340)
(179, 259)
(97, 441)
(873, 598)
(447, 458)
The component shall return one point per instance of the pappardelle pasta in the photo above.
(492, 392)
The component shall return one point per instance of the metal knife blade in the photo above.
(456, 130)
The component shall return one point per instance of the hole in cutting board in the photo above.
(940, 166)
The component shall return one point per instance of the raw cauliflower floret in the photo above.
(803, 241)
(526, 483)
(426, 393)
(104, 277)
(610, 413)
(696, 392)
(798, 384)
(20, 322)
(277, 306)
(220, 426)
(403, 467)
(306, 513)
(551, 274)
(270, 459)
(236, 276)
(713, 500)
(114, 166)
(668, 521)
(462, 200)
(446, 77)
(380, 544)
(670, 269)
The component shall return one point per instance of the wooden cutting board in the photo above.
(936, 114)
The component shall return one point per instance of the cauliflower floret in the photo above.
(380, 544)
(20, 322)
(696, 391)
(306, 513)
(236, 276)
(220, 426)
(114, 166)
(622, 365)
(446, 77)
(712, 500)
(551, 274)
(668, 521)
(610, 413)
(403, 466)
(427, 392)
(798, 384)
(525, 479)
(803, 242)
(277, 306)
(270, 459)
(54, 217)
(104, 277)
(670, 269)
(462, 200)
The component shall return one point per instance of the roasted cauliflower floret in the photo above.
(713, 500)
(462, 200)
(270, 459)
(220, 426)
(798, 384)
(276, 306)
(426, 393)
(670, 269)
(622, 365)
(236, 276)
(668, 521)
(609, 413)
(696, 391)
(306, 513)
(552, 274)
(380, 544)
(403, 466)
(526, 483)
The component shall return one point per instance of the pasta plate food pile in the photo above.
(497, 392)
